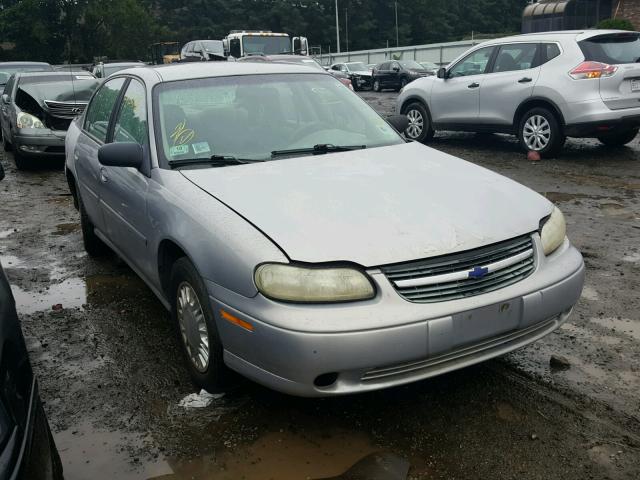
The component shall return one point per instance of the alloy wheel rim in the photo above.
(416, 124)
(536, 132)
(376, 85)
(193, 327)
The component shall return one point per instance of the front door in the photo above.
(456, 98)
(124, 192)
(514, 73)
(93, 136)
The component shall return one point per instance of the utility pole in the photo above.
(397, 35)
(337, 29)
(346, 25)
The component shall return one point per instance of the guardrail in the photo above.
(440, 53)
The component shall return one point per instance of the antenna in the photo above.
(73, 85)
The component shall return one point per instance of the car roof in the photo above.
(122, 64)
(55, 73)
(187, 71)
(554, 36)
(21, 64)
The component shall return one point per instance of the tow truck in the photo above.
(242, 43)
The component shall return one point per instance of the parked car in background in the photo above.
(357, 72)
(371, 66)
(430, 67)
(104, 69)
(9, 68)
(203, 50)
(540, 87)
(27, 448)
(396, 74)
(300, 60)
(36, 109)
(236, 234)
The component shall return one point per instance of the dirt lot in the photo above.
(112, 379)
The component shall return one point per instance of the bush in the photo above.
(616, 24)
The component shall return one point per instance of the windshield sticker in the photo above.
(200, 147)
(181, 134)
(179, 150)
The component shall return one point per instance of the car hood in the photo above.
(377, 206)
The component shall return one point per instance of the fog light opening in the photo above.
(325, 380)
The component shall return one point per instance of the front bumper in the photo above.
(361, 81)
(40, 143)
(425, 339)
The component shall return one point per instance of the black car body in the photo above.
(9, 68)
(27, 449)
(37, 108)
(395, 74)
(357, 72)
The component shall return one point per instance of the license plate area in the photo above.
(484, 322)
(635, 84)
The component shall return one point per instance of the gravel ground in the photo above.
(112, 378)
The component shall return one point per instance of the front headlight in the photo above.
(312, 285)
(26, 120)
(553, 231)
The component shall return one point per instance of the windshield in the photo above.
(213, 46)
(249, 117)
(356, 66)
(411, 65)
(618, 48)
(253, 44)
(7, 70)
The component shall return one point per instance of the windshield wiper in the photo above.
(318, 149)
(215, 160)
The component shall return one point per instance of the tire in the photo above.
(6, 145)
(403, 83)
(420, 120)
(548, 140)
(355, 86)
(188, 292)
(92, 243)
(619, 138)
(20, 160)
(376, 86)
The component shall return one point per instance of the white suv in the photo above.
(541, 87)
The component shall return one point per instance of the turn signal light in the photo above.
(592, 70)
(236, 321)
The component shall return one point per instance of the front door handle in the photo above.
(103, 175)
(474, 85)
(525, 80)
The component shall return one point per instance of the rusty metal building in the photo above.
(548, 15)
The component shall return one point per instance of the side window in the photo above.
(473, 64)
(131, 121)
(395, 65)
(99, 110)
(336, 68)
(520, 56)
(383, 66)
(549, 51)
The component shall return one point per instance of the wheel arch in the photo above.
(73, 187)
(535, 102)
(169, 251)
(413, 99)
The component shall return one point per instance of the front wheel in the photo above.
(376, 86)
(540, 131)
(195, 324)
(618, 139)
(419, 128)
(403, 83)
(20, 160)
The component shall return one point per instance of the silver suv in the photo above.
(542, 87)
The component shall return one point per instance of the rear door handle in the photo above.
(474, 85)
(525, 80)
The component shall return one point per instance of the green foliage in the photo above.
(80, 30)
(616, 24)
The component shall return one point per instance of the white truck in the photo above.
(241, 43)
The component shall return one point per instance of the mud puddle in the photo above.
(71, 293)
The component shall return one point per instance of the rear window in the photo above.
(613, 49)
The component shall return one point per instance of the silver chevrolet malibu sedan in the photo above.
(298, 239)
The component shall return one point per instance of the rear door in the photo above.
(620, 89)
(456, 99)
(124, 192)
(515, 71)
(394, 75)
(93, 136)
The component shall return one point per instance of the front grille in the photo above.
(66, 110)
(462, 275)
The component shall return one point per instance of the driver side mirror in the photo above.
(121, 155)
(6, 99)
(396, 69)
(442, 72)
(399, 122)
